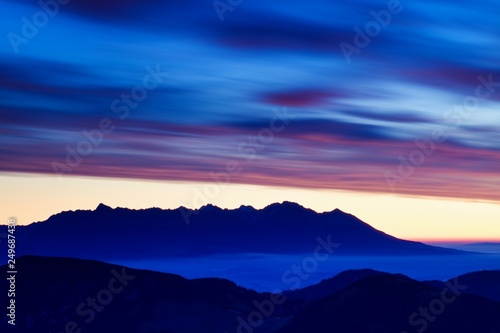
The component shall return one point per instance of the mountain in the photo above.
(483, 283)
(330, 286)
(69, 295)
(390, 303)
(485, 247)
(285, 228)
(57, 293)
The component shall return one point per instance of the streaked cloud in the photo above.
(351, 121)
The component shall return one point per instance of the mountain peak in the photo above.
(210, 208)
(291, 204)
(103, 207)
(286, 205)
(246, 208)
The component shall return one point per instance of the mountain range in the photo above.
(69, 279)
(282, 228)
(74, 295)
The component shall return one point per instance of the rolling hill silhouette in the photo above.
(331, 285)
(482, 283)
(66, 294)
(388, 303)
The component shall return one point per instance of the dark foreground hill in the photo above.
(398, 304)
(64, 295)
(484, 283)
(285, 228)
(69, 295)
(330, 286)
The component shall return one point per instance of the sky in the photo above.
(386, 109)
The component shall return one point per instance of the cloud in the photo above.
(310, 97)
(351, 122)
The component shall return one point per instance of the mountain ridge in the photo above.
(281, 228)
(149, 301)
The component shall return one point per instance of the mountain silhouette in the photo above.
(393, 303)
(482, 283)
(283, 228)
(330, 286)
(66, 294)
(99, 297)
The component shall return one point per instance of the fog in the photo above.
(268, 272)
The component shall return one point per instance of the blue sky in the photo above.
(349, 123)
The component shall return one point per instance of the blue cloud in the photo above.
(226, 77)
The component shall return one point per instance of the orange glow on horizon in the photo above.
(33, 198)
(457, 241)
